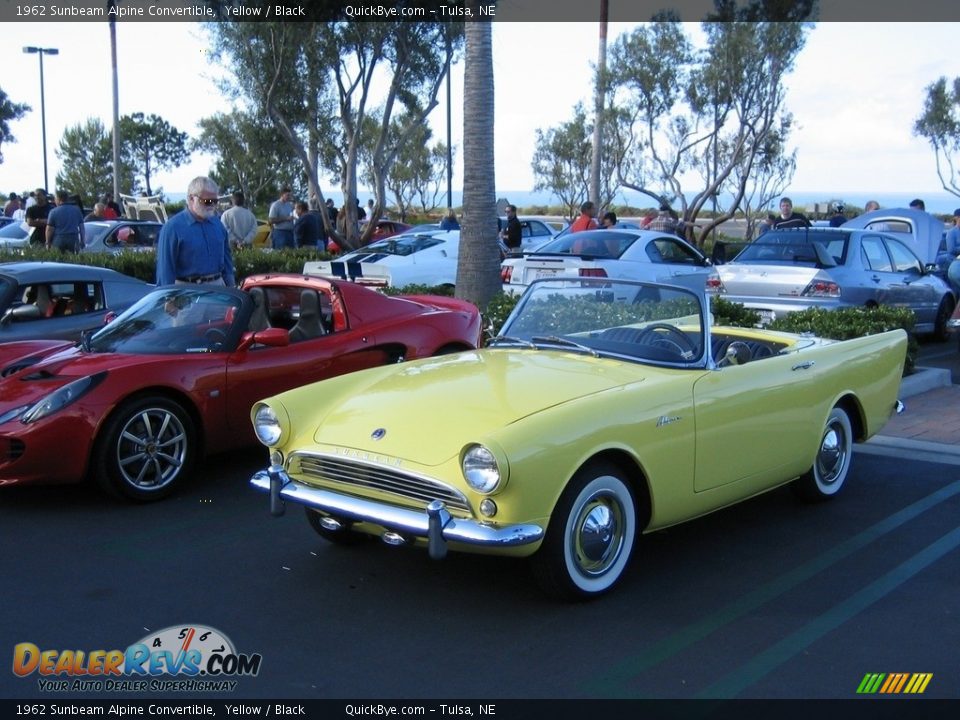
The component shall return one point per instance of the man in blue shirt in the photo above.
(193, 245)
(64, 229)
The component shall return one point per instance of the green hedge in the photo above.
(853, 322)
(840, 324)
(143, 265)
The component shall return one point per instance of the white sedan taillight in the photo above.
(593, 272)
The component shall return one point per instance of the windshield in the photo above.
(173, 320)
(629, 320)
(812, 249)
(400, 245)
(93, 231)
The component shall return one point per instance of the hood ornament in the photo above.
(378, 434)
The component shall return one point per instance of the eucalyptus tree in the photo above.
(318, 82)
(150, 144)
(701, 114)
(9, 112)
(417, 173)
(478, 266)
(939, 123)
(767, 175)
(250, 155)
(86, 161)
(562, 161)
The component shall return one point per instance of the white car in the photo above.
(616, 253)
(13, 236)
(534, 232)
(422, 258)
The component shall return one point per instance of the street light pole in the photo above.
(43, 109)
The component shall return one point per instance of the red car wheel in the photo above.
(146, 449)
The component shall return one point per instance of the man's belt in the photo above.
(200, 278)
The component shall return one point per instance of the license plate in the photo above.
(549, 272)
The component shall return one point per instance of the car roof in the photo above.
(121, 221)
(27, 272)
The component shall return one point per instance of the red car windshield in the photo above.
(174, 320)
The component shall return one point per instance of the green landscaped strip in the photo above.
(616, 681)
(760, 665)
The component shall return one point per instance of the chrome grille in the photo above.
(354, 474)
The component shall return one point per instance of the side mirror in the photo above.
(272, 337)
(21, 313)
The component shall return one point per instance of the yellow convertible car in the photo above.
(604, 409)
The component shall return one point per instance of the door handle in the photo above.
(804, 365)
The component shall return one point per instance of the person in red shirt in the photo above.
(587, 219)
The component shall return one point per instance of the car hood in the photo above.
(47, 370)
(427, 410)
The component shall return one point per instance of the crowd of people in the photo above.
(58, 223)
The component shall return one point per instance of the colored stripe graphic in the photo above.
(894, 683)
(870, 683)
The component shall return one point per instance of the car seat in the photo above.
(80, 302)
(308, 325)
(258, 318)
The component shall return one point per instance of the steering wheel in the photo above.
(670, 338)
(215, 336)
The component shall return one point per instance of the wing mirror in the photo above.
(272, 337)
(20, 313)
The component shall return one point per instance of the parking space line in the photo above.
(762, 664)
(615, 679)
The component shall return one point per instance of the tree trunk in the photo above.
(478, 269)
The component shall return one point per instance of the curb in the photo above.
(899, 443)
(924, 379)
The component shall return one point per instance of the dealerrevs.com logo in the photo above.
(184, 658)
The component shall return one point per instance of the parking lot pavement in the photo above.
(930, 417)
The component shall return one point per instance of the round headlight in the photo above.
(267, 425)
(480, 469)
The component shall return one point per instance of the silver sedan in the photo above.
(789, 270)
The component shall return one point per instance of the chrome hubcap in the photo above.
(833, 455)
(598, 534)
(152, 448)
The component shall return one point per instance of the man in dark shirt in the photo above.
(307, 228)
(838, 218)
(37, 218)
(512, 235)
(788, 218)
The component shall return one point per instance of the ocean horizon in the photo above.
(940, 203)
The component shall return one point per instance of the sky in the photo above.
(855, 93)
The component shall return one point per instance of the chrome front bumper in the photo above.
(437, 526)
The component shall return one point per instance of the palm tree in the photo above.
(478, 269)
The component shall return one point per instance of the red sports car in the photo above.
(134, 405)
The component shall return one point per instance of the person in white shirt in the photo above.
(241, 224)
